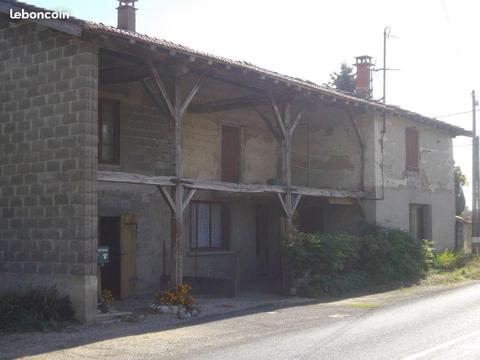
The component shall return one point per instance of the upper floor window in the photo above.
(411, 147)
(108, 131)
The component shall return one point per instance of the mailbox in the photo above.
(102, 255)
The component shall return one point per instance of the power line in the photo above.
(455, 114)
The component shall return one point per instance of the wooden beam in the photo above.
(168, 198)
(296, 201)
(284, 205)
(231, 187)
(298, 118)
(191, 94)
(129, 178)
(160, 108)
(161, 87)
(188, 196)
(277, 115)
(267, 122)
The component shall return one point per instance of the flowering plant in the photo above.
(181, 295)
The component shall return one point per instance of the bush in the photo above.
(33, 308)
(391, 255)
(448, 260)
(341, 264)
(321, 254)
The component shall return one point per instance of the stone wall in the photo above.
(48, 151)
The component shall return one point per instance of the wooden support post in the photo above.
(179, 201)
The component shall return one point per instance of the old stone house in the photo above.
(189, 165)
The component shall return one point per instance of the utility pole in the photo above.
(475, 179)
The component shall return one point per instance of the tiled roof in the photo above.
(304, 84)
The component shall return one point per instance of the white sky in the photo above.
(436, 49)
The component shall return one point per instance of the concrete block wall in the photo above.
(145, 138)
(48, 151)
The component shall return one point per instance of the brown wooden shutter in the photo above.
(230, 154)
(411, 147)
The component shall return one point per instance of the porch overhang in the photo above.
(140, 179)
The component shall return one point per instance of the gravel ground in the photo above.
(143, 321)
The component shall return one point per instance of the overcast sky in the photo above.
(435, 45)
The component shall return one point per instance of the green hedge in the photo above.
(341, 263)
(33, 308)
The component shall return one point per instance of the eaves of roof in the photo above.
(138, 38)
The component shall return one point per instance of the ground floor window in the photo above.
(209, 223)
(420, 221)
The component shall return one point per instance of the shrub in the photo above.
(33, 308)
(448, 260)
(341, 264)
(181, 295)
(391, 255)
(321, 254)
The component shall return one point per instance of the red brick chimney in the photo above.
(363, 86)
(126, 14)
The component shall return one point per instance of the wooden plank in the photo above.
(121, 177)
(128, 249)
(231, 187)
(161, 87)
(325, 192)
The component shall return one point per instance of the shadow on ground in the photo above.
(29, 344)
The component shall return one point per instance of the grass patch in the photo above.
(365, 306)
(469, 271)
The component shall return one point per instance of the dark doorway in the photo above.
(262, 250)
(311, 219)
(110, 236)
(230, 154)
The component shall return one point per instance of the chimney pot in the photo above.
(363, 87)
(126, 15)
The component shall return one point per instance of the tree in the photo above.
(460, 180)
(343, 80)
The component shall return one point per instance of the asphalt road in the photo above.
(444, 325)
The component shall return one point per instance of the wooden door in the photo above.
(230, 154)
(128, 245)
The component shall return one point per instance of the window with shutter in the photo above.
(411, 148)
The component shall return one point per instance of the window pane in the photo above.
(216, 226)
(203, 219)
